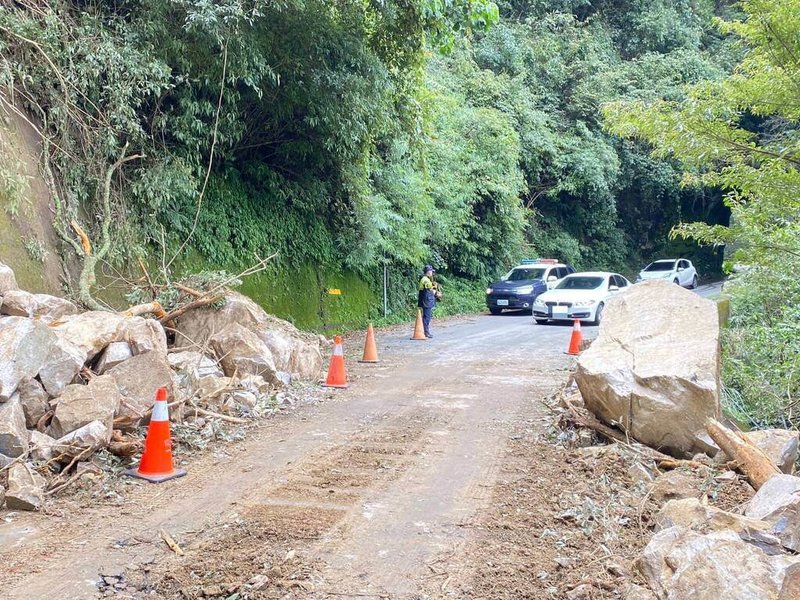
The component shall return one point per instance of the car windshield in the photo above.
(525, 274)
(661, 265)
(580, 283)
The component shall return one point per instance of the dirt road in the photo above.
(360, 495)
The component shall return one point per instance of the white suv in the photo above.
(677, 270)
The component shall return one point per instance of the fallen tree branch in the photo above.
(207, 413)
(200, 302)
(750, 459)
(173, 545)
(147, 308)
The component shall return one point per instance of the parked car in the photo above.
(518, 288)
(580, 296)
(677, 270)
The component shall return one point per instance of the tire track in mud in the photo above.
(267, 550)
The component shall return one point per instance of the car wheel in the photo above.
(495, 311)
(676, 281)
(598, 315)
(541, 321)
(694, 283)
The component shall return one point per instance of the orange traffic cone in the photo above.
(419, 329)
(156, 464)
(337, 377)
(576, 339)
(370, 348)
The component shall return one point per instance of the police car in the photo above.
(518, 288)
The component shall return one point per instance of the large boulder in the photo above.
(778, 502)
(34, 401)
(24, 347)
(241, 352)
(64, 361)
(137, 379)
(8, 282)
(291, 350)
(14, 436)
(115, 353)
(654, 368)
(18, 303)
(679, 563)
(99, 400)
(25, 488)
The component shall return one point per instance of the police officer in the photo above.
(428, 293)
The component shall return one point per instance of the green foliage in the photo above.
(740, 134)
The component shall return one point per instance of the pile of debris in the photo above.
(652, 383)
(72, 383)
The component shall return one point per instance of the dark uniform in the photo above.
(427, 299)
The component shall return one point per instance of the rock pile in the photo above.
(68, 379)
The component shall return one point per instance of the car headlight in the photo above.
(538, 302)
(527, 289)
(585, 303)
(489, 290)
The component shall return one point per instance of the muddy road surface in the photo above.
(371, 492)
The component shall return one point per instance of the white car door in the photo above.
(684, 273)
(552, 277)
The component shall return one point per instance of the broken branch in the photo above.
(750, 459)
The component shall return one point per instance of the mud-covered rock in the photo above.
(99, 400)
(778, 503)
(24, 347)
(34, 401)
(25, 488)
(18, 303)
(115, 353)
(14, 437)
(138, 379)
(656, 377)
(8, 280)
(85, 440)
(679, 563)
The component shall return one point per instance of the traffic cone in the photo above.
(337, 376)
(419, 328)
(576, 339)
(156, 464)
(370, 348)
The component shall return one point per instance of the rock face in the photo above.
(283, 346)
(137, 380)
(679, 563)
(8, 282)
(778, 502)
(82, 404)
(779, 444)
(14, 436)
(654, 368)
(24, 347)
(25, 488)
(17, 303)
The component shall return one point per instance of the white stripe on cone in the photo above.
(160, 412)
(337, 350)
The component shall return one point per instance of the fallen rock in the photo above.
(790, 590)
(14, 437)
(674, 485)
(779, 444)
(25, 488)
(194, 365)
(2, 496)
(291, 350)
(89, 438)
(8, 282)
(115, 353)
(137, 380)
(655, 377)
(99, 400)
(698, 516)
(17, 303)
(41, 446)
(145, 335)
(637, 592)
(34, 401)
(64, 362)
(24, 347)
(778, 503)
(241, 352)
(679, 563)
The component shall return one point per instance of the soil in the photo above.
(438, 474)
